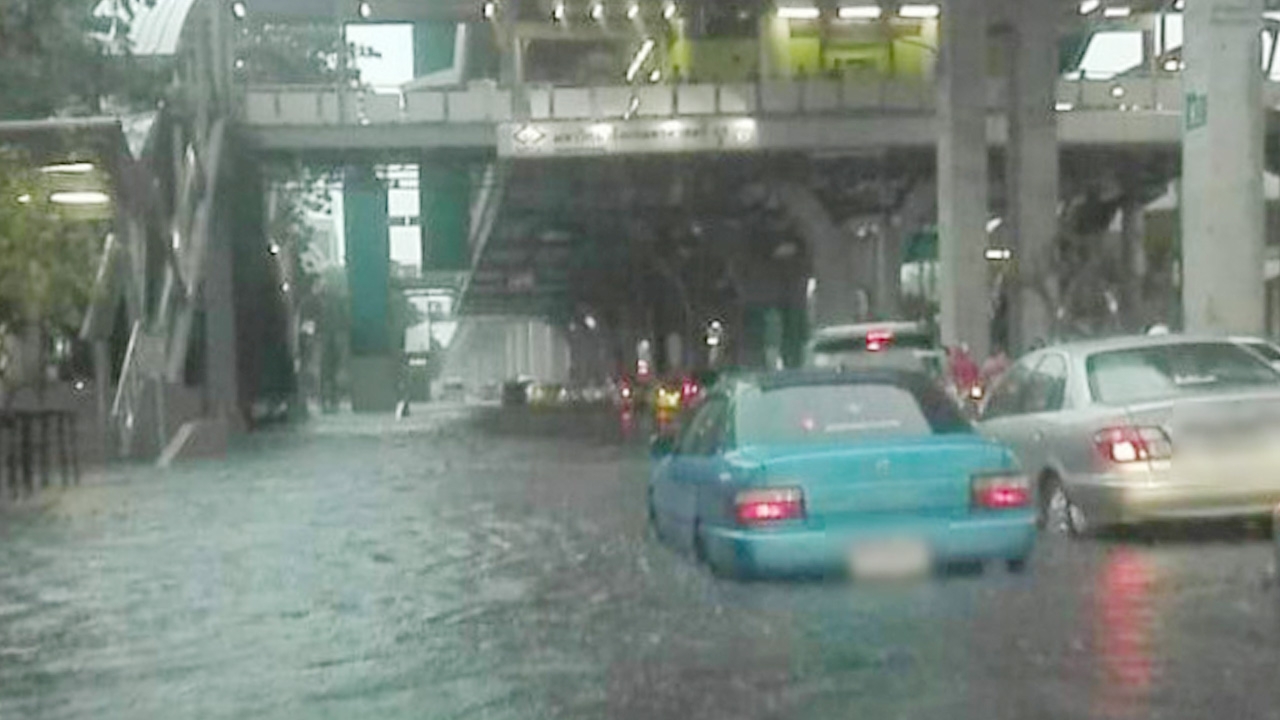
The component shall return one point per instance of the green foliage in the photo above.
(47, 261)
(56, 58)
(295, 53)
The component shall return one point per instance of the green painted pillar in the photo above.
(754, 342)
(444, 196)
(795, 331)
(374, 357)
(433, 47)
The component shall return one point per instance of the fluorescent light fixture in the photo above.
(996, 254)
(1088, 6)
(655, 76)
(1064, 106)
(78, 168)
(798, 12)
(994, 224)
(1178, 4)
(1117, 11)
(919, 12)
(557, 13)
(861, 12)
(1172, 65)
(641, 55)
(284, 287)
(1271, 15)
(597, 12)
(490, 10)
(590, 322)
(25, 198)
(85, 197)
(274, 249)
(633, 11)
(366, 10)
(1117, 91)
(669, 11)
(239, 10)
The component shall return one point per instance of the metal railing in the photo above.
(33, 445)
(486, 103)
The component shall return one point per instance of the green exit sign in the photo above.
(1197, 110)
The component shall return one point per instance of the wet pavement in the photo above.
(470, 564)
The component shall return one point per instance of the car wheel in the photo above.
(1062, 516)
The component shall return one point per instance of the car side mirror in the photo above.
(661, 446)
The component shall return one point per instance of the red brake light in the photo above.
(878, 340)
(1001, 492)
(1123, 445)
(768, 505)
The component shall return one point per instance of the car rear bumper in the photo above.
(1112, 500)
(810, 551)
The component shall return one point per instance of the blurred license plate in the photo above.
(898, 558)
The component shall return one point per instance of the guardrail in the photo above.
(486, 103)
(31, 442)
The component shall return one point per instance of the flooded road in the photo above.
(469, 564)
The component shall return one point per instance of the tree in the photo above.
(47, 265)
(58, 57)
(296, 54)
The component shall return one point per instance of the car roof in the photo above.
(859, 329)
(833, 376)
(1134, 342)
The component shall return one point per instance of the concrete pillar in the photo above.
(221, 340)
(1222, 148)
(834, 254)
(509, 353)
(374, 357)
(1134, 253)
(444, 198)
(1031, 186)
(962, 175)
(888, 270)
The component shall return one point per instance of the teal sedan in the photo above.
(812, 472)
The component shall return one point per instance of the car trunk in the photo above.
(923, 477)
(1220, 439)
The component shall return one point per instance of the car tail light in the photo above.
(1123, 445)
(878, 340)
(769, 505)
(1001, 491)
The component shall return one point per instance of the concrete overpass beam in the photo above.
(962, 175)
(1032, 162)
(1222, 151)
(374, 355)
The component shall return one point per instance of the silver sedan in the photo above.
(1134, 429)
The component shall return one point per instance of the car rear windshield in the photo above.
(1266, 350)
(824, 414)
(1163, 372)
(858, 343)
